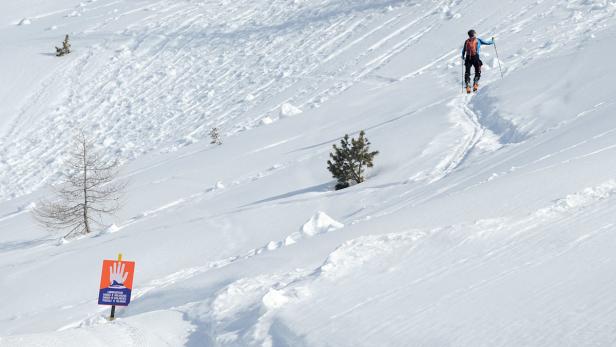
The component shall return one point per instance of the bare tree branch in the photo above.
(88, 190)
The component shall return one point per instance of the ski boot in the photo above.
(468, 89)
(475, 87)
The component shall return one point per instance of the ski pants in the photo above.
(472, 61)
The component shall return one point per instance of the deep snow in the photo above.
(488, 220)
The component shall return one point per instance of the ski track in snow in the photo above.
(352, 255)
(465, 119)
(116, 101)
(319, 224)
(474, 128)
(164, 51)
(471, 123)
(256, 300)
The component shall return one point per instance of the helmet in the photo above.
(472, 33)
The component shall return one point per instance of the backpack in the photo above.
(471, 47)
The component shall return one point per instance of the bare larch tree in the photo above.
(87, 193)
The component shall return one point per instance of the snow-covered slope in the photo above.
(488, 220)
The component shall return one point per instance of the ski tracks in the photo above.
(163, 84)
(255, 302)
(466, 133)
(262, 299)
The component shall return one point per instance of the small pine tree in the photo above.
(348, 162)
(215, 135)
(66, 48)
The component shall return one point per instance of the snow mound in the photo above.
(320, 223)
(25, 21)
(288, 110)
(273, 245)
(275, 299)
(267, 121)
(580, 200)
(112, 229)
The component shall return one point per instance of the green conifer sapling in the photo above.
(349, 161)
(66, 48)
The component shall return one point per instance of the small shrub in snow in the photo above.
(215, 136)
(66, 48)
(349, 161)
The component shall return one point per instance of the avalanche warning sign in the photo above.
(116, 282)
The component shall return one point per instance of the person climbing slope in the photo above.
(470, 55)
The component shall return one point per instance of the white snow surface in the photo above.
(487, 220)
